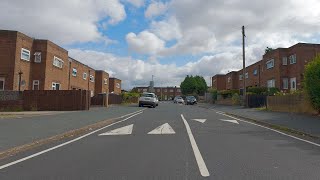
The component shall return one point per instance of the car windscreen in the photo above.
(147, 95)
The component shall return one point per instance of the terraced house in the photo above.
(282, 68)
(36, 64)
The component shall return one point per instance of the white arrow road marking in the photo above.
(120, 131)
(201, 164)
(163, 129)
(232, 121)
(200, 120)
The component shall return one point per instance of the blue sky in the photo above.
(134, 39)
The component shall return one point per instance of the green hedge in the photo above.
(312, 82)
(228, 93)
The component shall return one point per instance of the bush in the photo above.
(312, 82)
(127, 97)
(257, 90)
(214, 93)
(228, 93)
(235, 99)
(272, 91)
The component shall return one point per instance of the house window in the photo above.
(247, 75)
(271, 83)
(105, 81)
(285, 83)
(293, 59)
(56, 86)
(74, 72)
(84, 76)
(178, 90)
(25, 54)
(37, 57)
(284, 61)
(255, 72)
(171, 90)
(270, 64)
(57, 62)
(91, 78)
(118, 85)
(2, 81)
(229, 79)
(35, 85)
(240, 77)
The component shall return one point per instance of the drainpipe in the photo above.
(20, 73)
(69, 76)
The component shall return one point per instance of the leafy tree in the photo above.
(193, 85)
(268, 49)
(312, 82)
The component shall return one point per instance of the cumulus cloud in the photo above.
(167, 29)
(145, 42)
(64, 22)
(136, 3)
(155, 9)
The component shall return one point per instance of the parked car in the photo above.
(191, 100)
(148, 99)
(178, 100)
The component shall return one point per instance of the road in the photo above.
(171, 142)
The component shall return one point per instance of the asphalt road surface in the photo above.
(171, 142)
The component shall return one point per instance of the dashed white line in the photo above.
(201, 164)
(66, 143)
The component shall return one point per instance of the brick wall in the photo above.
(114, 85)
(102, 82)
(219, 82)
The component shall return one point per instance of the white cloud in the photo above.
(167, 30)
(145, 42)
(155, 9)
(136, 3)
(63, 22)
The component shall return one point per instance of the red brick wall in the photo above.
(100, 85)
(219, 82)
(113, 85)
(234, 80)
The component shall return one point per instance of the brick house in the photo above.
(43, 65)
(282, 68)
(164, 93)
(115, 85)
(219, 82)
(101, 82)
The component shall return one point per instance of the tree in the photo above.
(193, 85)
(312, 82)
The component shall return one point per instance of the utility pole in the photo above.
(244, 66)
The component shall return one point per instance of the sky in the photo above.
(135, 39)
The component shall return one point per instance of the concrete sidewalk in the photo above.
(300, 122)
(23, 130)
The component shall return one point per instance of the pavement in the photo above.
(301, 122)
(19, 130)
(171, 142)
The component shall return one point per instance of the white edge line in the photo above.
(201, 164)
(68, 142)
(294, 137)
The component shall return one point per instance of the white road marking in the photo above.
(232, 121)
(282, 133)
(200, 120)
(163, 129)
(68, 142)
(201, 164)
(219, 112)
(126, 130)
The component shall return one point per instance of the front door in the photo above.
(293, 84)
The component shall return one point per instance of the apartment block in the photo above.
(165, 93)
(219, 82)
(115, 85)
(282, 68)
(35, 64)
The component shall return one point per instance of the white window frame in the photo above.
(285, 83)
(37, 57)
(4, 82)
(285, 61)
(171, 90)
(84, 76)
(293, 59)
(229, 79)
(270, 64)
(273, 83)
(247, 75)
(25, 52)
(37, 83)
(240, 77)
(74, 72)
(105, 81)
(118, 85)
(57, 62)
(54, 86)
(255, 72)
(91, 78)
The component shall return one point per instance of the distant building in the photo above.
(114, 85)
(164, 93)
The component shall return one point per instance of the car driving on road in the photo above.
(191, 100)
(148, 99)
(178, 100)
